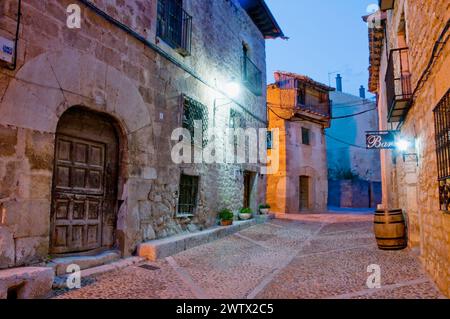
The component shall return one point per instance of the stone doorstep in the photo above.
(60, 282)
(84, 262)
(29, 282)
(166, 247)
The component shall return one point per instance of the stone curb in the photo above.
(166, 247)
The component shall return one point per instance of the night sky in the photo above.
(325, 36)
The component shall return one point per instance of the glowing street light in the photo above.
(402, 145)
(232, 89)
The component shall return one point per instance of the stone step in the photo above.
(84, 262)
(162, 248)
(26, 282)
(60, 282)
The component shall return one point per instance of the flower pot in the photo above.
(226, 222)
(245, 216)
(264, 211)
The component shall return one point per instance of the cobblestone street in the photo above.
(309, 256)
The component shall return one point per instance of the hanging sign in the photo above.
(381, 140)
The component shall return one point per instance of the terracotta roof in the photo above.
(304, 79)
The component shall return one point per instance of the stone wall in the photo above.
(296, 159)
(108, 70)
(413, 185)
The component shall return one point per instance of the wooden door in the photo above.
(304, 193)
(84, 185)
(247, 189)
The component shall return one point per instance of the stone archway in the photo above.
(85, 177)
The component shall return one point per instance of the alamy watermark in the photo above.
(74, 16)
(228, 146)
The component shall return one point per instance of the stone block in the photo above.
(31, 249)
(84, 262)
(27, 282)
(7, 252)
(28, 218)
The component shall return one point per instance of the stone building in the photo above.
(87, 116)
(354, 172)
(299, 108)
(410, 73)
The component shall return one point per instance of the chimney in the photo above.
(339, 83)
(362, 92)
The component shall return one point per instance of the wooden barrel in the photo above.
(390, 229)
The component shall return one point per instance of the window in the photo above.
(306, 136)
(269, 140)
(187, 201)
(251, 75)
(237, 120)
(442, 125)
(195, 118)
(174, 25)
(301, 93)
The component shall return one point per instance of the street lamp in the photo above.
(232, 89)
(402, 145)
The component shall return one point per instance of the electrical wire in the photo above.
(344, 142)
(353, 115)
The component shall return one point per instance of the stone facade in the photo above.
(354, 172)
(409, 184)
(298, 157)
(115, 65)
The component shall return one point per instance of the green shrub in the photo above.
(264, 206)
(246, 211)
(226, 214)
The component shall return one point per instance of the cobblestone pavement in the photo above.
(307, 256)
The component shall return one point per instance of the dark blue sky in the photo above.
(325, 36)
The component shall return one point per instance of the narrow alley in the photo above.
(308, 256)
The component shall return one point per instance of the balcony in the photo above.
(321, 110)
(174, 26)
(398, 85)
(386, 4)
(251, 76)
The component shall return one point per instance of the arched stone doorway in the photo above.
(85, 182)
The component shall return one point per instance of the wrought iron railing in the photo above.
(398, 84)
(251, 76)
(323, 109)
(442, 129)
(174, 26)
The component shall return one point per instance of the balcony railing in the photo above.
(398, 85)
(174, 26)
(251, 76)
(323, 109)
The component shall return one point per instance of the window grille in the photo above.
(187, 201)
(174, 25)
(194, 111)
(442, 131)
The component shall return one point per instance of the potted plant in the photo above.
(226, 217)
(246, 213)
(264, 209)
